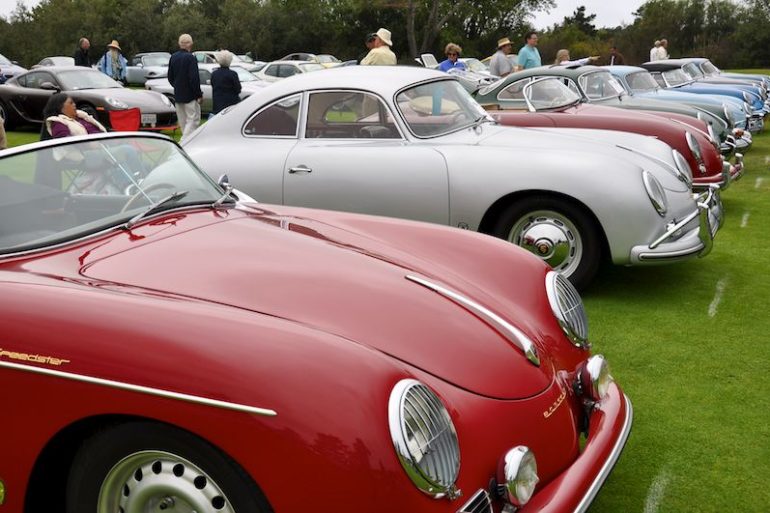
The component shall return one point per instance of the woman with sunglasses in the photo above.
(452, 52)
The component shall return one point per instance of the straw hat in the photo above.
(504, 41)
(114, 44)
(384, 34)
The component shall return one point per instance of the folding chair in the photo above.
(128, 120)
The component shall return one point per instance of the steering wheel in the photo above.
(144, 192)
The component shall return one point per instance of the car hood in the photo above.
(338, 282)
(132, 97)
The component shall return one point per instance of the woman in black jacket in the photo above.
(225, 85)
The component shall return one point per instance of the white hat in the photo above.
(384, 34)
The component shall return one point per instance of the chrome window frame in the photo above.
(267, 106)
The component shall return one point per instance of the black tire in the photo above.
(5, 113)
(561, 234)
(123, 457)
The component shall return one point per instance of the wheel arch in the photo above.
(495, 210)
(46, 490)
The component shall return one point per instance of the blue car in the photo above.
(9, 69)
(682, 73)
(639, 82)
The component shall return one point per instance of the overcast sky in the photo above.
(608, 13)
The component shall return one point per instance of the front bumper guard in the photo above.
(696, 242)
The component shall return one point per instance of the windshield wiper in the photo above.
(153, 208)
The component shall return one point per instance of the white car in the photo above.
(278, 70)
(249, 84)
(412, 143)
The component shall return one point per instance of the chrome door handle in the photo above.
(300, 169)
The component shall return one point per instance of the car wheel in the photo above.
(6, 115)
(145, 466)
(558, 232)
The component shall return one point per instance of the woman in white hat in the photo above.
(380, 54)
(112, 63)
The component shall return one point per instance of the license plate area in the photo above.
(149, 119)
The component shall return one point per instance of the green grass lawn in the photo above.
(689, 344)
(696, 368)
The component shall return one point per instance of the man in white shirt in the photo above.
(654, 51)
(663, 50)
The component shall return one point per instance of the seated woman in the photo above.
(96, 172)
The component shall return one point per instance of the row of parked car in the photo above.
(224, 314)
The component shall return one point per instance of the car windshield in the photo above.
(61, 61)
(85, 79)
(710, 69)
(310, 66)
(549, 94)
(63, 192)
(692, 70)
(475, 65)
(243, 75)
(641, 81)
(676, 77)
(327, 59)
(5, 60)
(598, 85)
(156, 60)
(438, 108)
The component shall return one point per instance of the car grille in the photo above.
(479, 503)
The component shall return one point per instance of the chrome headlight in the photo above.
(567, 307)
(692, 143)
(747, 109)
(165, 100)
(726, 112)
(115, 103)
(656, 192)
(712, 133)
(746, 97)
(595, 378)
(424, 437)
(518, 470)
(684, 167)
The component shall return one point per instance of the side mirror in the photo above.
(48, 86)
(224, 181)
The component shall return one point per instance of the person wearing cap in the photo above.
(500, 65)
(529, 55)
(380, 54)
(225, 84)
(452, 52)
(112, 63)
(183, 76)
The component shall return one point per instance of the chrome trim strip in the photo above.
(167, 394)
(514, 335)
(611, 460)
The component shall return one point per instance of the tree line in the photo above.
(733, 35)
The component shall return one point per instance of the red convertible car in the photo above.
(549, 103)
(167, 345)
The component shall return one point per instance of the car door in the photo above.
(32, 98)
(353, 157)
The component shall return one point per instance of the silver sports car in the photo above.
(412, 143)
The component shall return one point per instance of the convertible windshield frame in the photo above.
(580, 84)
(531, 107)
(59, 234)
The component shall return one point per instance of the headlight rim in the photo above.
(573, 333)
(115, 103)
(652, 186)
(694, 146)
(397, 425)
(596, 369)
(683, 166)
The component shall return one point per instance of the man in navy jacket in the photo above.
(183, 75)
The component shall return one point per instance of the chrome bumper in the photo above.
(680, 243)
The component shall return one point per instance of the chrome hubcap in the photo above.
(155, 482)
(550, 236)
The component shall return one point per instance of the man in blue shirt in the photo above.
(529, 56)
(183, 76)
(452, 52)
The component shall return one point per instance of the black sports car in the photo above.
(23, 97)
